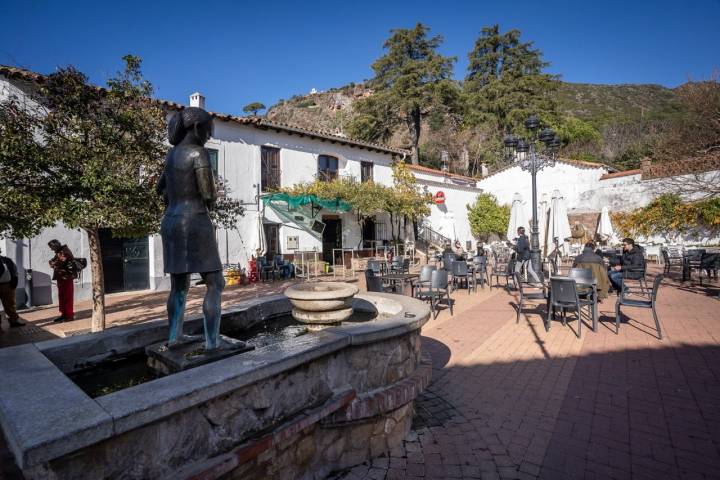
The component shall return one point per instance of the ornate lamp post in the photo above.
(533, 153)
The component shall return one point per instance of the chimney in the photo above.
(197, 100)
(483, 170)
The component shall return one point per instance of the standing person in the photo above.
(522, 259)
(8, 284)
(632, 265)
(64, 273)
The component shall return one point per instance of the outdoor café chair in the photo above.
(439, 290)
(506, 270)
(374, 265)
(480, 264)
(375, 283)
(528, 291)
(267, 269)
(423, 281)
(460, 274)
(564, 295)
(640, 303)
(587, 289)
(447, 260)
(671, 261)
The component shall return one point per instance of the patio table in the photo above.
(401, 278)
(587, 285)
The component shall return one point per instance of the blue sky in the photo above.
(239, 52)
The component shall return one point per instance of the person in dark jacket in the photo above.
(8, 284)
(588, 255)
(632, 265)
(522, 257)
(64, 273)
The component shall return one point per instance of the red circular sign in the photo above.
(439, 197)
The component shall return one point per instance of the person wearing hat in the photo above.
(8, 285)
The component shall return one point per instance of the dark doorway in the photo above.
(272, 240)
(126, 262)
(368, 233)
(332, 237)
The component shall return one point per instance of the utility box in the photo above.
(292, 242)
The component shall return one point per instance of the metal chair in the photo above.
(447, 260)
(585, 277)
(640, 303)
(506, 270)
(374, 283)
(528, 291)
(460, 274)
(671, 261)
(374, 265)
(424, 278)
(439, 290)
(481, 276)
(564, 295)
(266, 269)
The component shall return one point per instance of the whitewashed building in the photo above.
(253, 156)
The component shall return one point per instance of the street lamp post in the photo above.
(532, 154)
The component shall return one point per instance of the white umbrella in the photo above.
(542, 210)
(558, 223)
(518, 217)
(605, 229)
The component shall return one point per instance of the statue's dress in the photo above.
(188, 234)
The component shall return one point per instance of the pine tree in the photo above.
(410, 81)
(505, 83)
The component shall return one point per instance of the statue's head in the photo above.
(192, 121)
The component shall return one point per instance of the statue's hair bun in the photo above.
(185, 120)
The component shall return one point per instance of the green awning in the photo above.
(317, 203)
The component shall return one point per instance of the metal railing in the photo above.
(430, 237)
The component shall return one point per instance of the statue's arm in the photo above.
(161, 186)
(205, 179)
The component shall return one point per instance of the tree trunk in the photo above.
(98, 281)
(414, 125)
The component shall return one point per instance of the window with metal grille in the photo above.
(366, 171)
(327, 168)
(270, 168)
(213, 157)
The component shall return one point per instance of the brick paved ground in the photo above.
(509, 400)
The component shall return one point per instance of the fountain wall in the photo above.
(295, 409)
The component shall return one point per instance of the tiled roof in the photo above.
(626, 173)
(258, 122)
(434, 171)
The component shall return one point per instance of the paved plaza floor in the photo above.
(510, 400)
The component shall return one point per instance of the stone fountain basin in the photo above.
(215, 408)
(322, 296)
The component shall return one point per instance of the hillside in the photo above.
(624, 115)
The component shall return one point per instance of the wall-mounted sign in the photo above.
(293, 243)
(439, 197)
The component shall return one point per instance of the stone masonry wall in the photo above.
(185, 444)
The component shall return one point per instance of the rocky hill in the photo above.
(603, 106)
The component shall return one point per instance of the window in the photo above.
(366, 171)
(270, 168)
(213, 156)
(327, 168)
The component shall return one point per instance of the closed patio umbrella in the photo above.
(558, 223)
(605, 229)
(518, 217)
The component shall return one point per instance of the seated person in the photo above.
(592, 261)
(632, 265)
(588, 255)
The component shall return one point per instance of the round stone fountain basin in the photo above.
(321, 304)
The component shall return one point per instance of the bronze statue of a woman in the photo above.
(188, 235)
